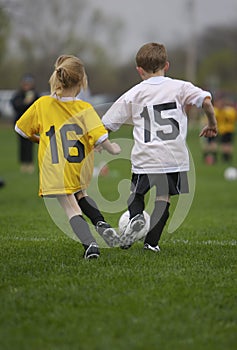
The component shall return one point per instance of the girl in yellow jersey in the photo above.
(67, 130)
(226, 116)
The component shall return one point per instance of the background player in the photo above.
(68, 130)
(21, 101)
(226, 116)
(156, 109)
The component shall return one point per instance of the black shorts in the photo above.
(211, 140)
(227, 138)
(166, 184)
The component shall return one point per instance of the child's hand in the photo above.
(115, 148)
(209, 131)
(112, 148)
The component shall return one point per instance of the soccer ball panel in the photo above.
(124, 220)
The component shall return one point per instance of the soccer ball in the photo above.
(123, 222)
(230, 174)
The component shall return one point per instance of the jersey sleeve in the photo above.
(193, 95)
(27, 125)
(118, 114)
(95, 129)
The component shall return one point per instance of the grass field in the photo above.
(183, 298)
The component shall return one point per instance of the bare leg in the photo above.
(79, 225)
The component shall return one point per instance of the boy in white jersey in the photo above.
(68, 130)
(156, 109)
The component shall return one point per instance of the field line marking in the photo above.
(182, 241)
(28, 239)
(208, 242)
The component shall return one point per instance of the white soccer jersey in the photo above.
(156, 109)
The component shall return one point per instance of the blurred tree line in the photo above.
(33, 34)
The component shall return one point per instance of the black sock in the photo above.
(158, 220)
(81, 229)
(226, 157)
(214, 156)
(90, 209)
(135, 204)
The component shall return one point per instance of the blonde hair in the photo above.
(152, 57)
(69, 73)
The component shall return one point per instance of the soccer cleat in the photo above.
(134, 226)
(155, 249)
(108, 233)
(92, 252)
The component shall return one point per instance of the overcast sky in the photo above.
(166, 21)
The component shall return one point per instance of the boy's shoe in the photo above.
(149, 247)
(92, 252)
(108, 233)
(134, 226)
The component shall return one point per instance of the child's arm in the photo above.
(34, 138)
(112, 148)
(210, 130)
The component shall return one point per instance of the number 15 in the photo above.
(160, 121)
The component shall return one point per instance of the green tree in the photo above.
(4, 32)
(218, 70)
(218, 58)
(44, 29)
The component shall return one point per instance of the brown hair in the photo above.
(152, 57)
(69, 73)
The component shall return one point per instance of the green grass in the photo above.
(183, 298)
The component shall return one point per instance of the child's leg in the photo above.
(140, 184)
(136, 220)
(136, 204)
(90, 209)
(78, 224)
(227, 152)
(158, 220)
(210, 151)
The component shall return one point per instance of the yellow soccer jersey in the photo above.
(68, 130)
(226, 118)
